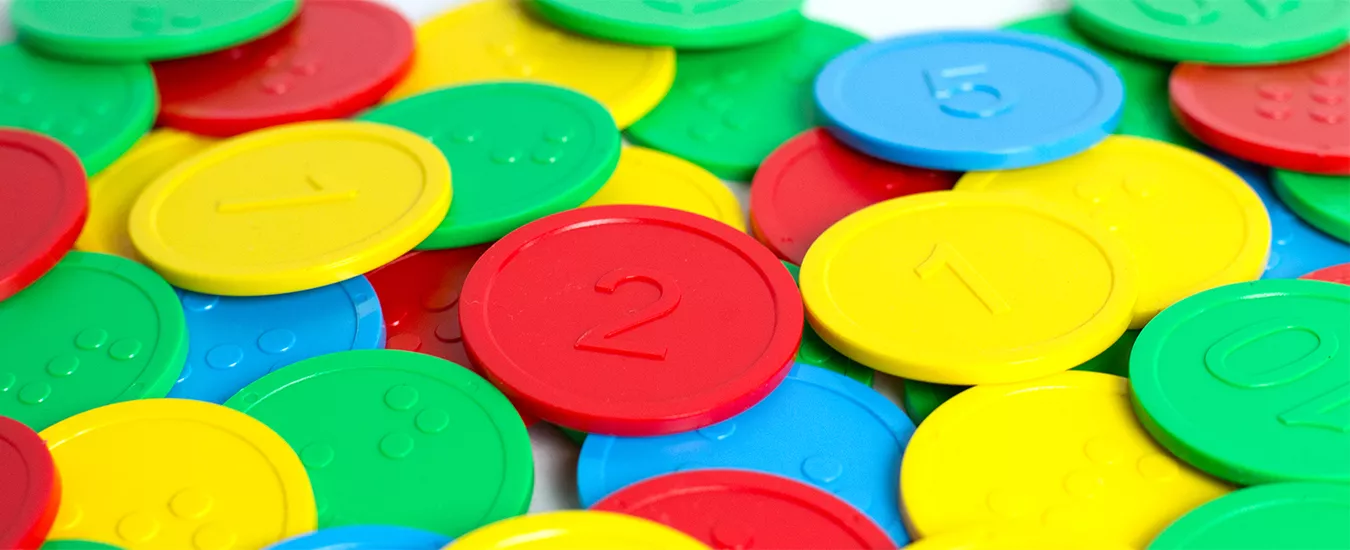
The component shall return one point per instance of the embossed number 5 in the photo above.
(600, 337)
(946, 84)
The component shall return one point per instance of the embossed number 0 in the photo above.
(601, 337)
(1328, 410)
(946, 256)
(946, 84)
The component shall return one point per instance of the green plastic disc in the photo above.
(519, 152)
(1147, 111)
(1251, 381)
(814, 350)
(96, 329)
(729, 109)
(576, 436)
(144, 30)
(1322, 201)
(398, 438)
(1233, 32)
(683, 24)
(1305, 516)
(70, 544)
(98, 111)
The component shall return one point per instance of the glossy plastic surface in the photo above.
(32, 487)
(700, 24)
(650, 177)
(1323, 201)
(43, 205)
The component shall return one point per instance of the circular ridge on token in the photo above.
(43, 205)
(573, 529)
(1334, 274)
(734, 508)
(1277, 515)
(32, 487)
(701, 24)
(596, 320)
(650, 177)
(365, 537)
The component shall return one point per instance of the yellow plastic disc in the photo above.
(292, 208)
(967, 288)
(498, 40)
(575, 530)
(654, 178)
(1016, 537)
(114, 190)
(1064, 451)
(1191, 223)
(177, 474)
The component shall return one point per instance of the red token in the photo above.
(1334, 274)
(337, 58)
(813, 181)
(743, 509)
(1294, 116)
(631, 320)
(43, 204)
(30, 490)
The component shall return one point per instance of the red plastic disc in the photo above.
(743, 509)
(1294, 116)
(30, 490)
(813, 181)
(631, 320)
(1334, 274)
(43, 204)
(337, 58)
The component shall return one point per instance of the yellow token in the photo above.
(292, 208)
(114, 190)
(1064, 451)
(177, 474)
(967, 288)
(576, 530)
(498, 40)
(1016, 537)
(654, 178)
(1191, 223)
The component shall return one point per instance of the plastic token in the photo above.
(1295, 247)
(43, 204)
(596, 319)
(98, 111)
(1094, 469)
(1016, 536)
(234, 340)
(72, 544)
(520, 151)
(813, 181)
(1283, 515)
(814, 351)
(653, 178)
(489, 40)
(994, 288)
(735, 508)
(1190, 223)
(1334, 274)
(570, 530)
(96, 329)
(970, 100)
(366, 537)
(1294, 116)
(291, 208)
(1322, 201)
(818, 427)
(1248, 381)
(186, 474)
(336, 58)
(399, 432)
(146, 29)
(32, 487)
(730, 108)
(114, 191)
(1253, 32)
(687, 25)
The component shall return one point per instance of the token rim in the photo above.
(515, 532)
(690, 37)
(65, 221)
(1339, 274)
(33, 521)
(684, 174)
(365, 537)
(1301, 196)
(1229, 509)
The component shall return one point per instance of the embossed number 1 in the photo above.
(946, 256)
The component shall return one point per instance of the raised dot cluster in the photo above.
(140, 527)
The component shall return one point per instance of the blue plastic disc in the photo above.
(818, 427)
(234, 340)
(970, 100)
(365, 537)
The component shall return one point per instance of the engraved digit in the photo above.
(321, 195)
(599, 338)
(1271, 9)
(1330, 411)
(946, 256)
(946, 84)
(1179, 12)
(1216, 357)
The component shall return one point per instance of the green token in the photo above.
(814, 350)
(144, 30)
(398, 438)
(519, 152)
(96, 329)
(1251, 381)
(920, 399)
(1235, 32)
(684, 24)
(728, 109)
(576, 436)
(1283, 515)
(1147, 112)
(71, 544)
(98, 111)
(1322, 201)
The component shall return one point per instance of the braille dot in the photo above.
(273, 61)
(33, 393)
(224, 356)
(7, 380)
(559, 135)
(506, 157)
(79, 129)
(1327, 116)
(276, 86)
(1275, 91)
(404, 341)
(214, 537)
(449, 331)
(24, 98)
(1330, 77)
(520, 69)
(1083, 484)
(1327, 96)
(91, 338)
(1104, 450)
(307, 68)
(276, 341)
(432, 421)
(465, 136)
(124, 350)
(396, 445)
(719, 431)
(46, 125)
(137, 527)
(190, 504)
(73, 513)
(822, 469)
(1273, 111)
(401, 397)
(1156, 467)
(186, 21)
(199, 302)
(733, 534)
(316, 455)
(63, 365)
(546, 156)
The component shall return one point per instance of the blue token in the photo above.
(234, 340)
(970, 100)
(818, 427)
(365, 537)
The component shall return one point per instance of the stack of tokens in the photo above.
(300, 275)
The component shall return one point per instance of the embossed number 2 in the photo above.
(601, 337)
(1328, 410)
